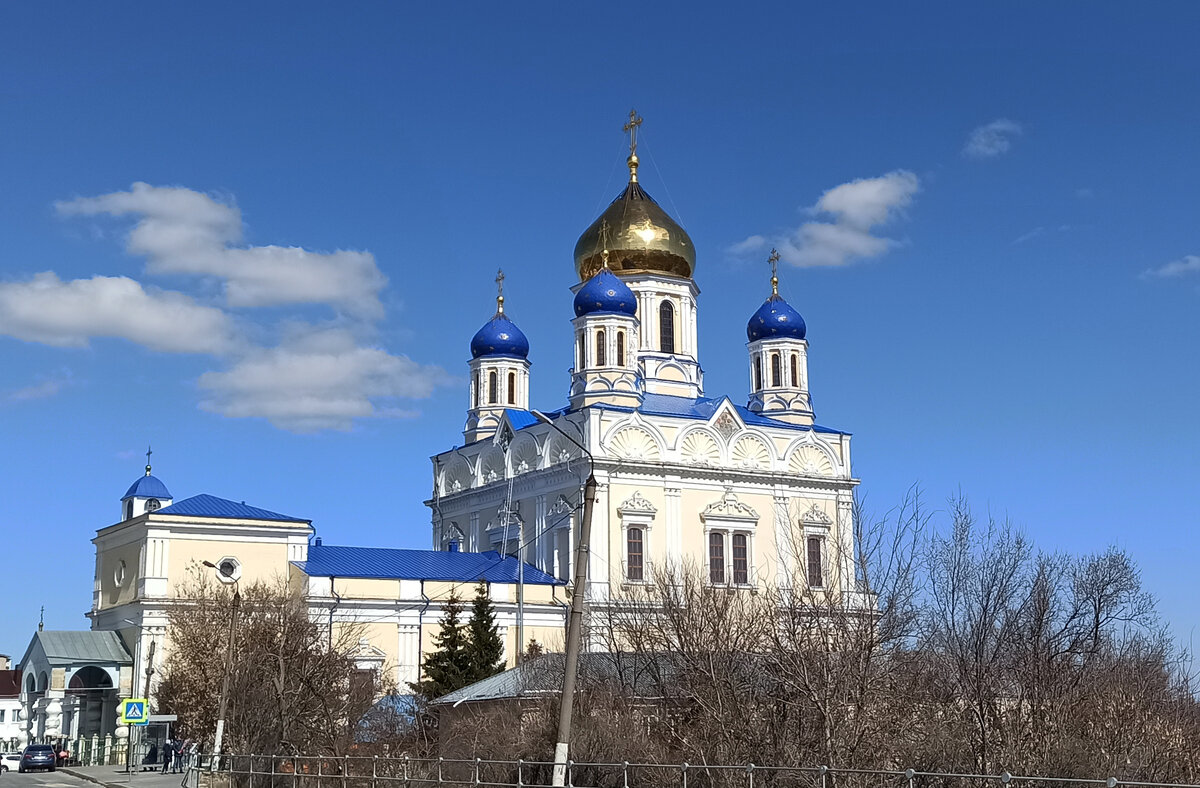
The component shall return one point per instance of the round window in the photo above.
(152, 505)
(119, 573)
(227, 568)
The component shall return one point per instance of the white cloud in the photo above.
(48, 310)
(1184, 266)
(857, 208)
(182, 231)
(991, 139)
(44, 388)
(319, 379)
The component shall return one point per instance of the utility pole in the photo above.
(574, 634)
(228, 577)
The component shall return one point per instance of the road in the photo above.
(57, 779)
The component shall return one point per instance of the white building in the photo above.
(748, 488)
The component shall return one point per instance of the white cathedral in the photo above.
(753, 495)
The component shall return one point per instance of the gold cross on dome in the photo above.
(500, 291)
(604, 242)
(773, 259)
(631, 127)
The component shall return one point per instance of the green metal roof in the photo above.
(65, 647)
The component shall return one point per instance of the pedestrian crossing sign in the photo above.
(135, 711)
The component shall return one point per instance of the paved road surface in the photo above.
(55, 779)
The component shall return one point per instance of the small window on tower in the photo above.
(153, 504)
(512, 388)
(492, 394)
(478, 392)
(775, 373)
(666, 327)
(620, 348)
(757, 373)
(601, 359)
(795, 375)
(582, 351)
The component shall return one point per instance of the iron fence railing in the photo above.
(268, 771)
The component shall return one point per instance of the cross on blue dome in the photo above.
(775, 318)
(499, 336)
(605, 292)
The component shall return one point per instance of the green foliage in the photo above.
(447, 667)
(485, 649)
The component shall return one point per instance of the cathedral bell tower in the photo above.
(499, 371)
(647, 250)
(606, 326)
(779, 358)
(145, 495)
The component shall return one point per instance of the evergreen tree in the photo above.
(484, 649)
(448, 667)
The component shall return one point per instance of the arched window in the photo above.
(666, 327)
(477, 392)
(757, 373)
(512, 388)
(741, 560)
(601, 356)
(620, 348)
(492, 395)
(795, 373)
(634, 555)
(716, 557)
(775, 373)
(816, 575)
(582, 352)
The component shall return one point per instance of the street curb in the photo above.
(88, 777)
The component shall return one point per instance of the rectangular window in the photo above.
(741, 560)
(816, 575)
(512, 388)
(634, 550)
(1, 715)
(716, 557)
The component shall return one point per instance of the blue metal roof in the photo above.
(387, 563)
(499, 337)
(605, 293)
(775, 318)
(212, 506)
(147, 487)
(520, 419)
(703, 408)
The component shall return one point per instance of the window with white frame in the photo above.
(637, 519)
(730, 526)
(716, 557)
(815, 566)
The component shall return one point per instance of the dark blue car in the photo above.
(37, 756)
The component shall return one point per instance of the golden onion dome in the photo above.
(640, 237)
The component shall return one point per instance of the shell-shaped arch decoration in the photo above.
(457, 477)
(634, 443)
(559, 450)
(699, 448)
(523, 455)
(751, 452)
(491, 467)
(810, 461)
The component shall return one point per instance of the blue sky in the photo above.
(1002, 295)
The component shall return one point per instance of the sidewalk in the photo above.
(117, 777)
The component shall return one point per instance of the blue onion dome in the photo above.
(499, 337)
(147, 487)
(776, 319)
(605, 292)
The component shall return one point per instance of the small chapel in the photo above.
(747, 487)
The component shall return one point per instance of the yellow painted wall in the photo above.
(112, 594)
(261, 562)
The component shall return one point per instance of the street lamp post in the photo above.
(226, 573)
(149, 675)
(575, 623)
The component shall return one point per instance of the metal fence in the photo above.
(265, 771)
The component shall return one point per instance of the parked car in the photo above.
(37, 756)
(10, 760)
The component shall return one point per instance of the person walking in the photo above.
(167, 752)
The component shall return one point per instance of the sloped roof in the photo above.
(640, 675)
(68, 647)
(204, 505)
(705, 407)
(386, 563)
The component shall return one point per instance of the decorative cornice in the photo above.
(729, 508)
(816, 514)
(636, 503)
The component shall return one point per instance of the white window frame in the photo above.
(637, 512)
